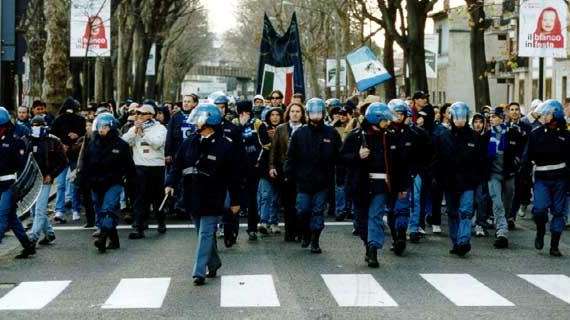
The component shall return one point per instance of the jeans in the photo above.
(106, 205)
(460, 213)
(399, 213)
(41, 220)
(376, 211)
(481, 202)
(310, 209)
(207, 250)
(340, 199)
(502, 191)
(550, 194)
(63, 187)
(267, 202)
(9, 218)
(415, 201)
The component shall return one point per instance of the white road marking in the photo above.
(357, 290)
(464, 290)
(557, 285)
(248, 291)
(138, 293)
(32, 295)
(180, 226)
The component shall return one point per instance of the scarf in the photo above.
(497, 140)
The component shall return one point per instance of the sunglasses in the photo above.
(276, 98)
(143, 113)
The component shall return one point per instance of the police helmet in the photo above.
(4, 116)
(552, 107)
(400, 106)
(315, 109)
(459, 111)
(378, 112)
(334, 103)
(205, 114)
(105, 120)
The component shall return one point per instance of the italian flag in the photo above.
(278, 78)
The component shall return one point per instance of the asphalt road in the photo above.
(288, 281)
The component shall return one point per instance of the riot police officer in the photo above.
(459, 154)
(12, 162)
(205, 165)
(105, 164)
(311, 158)
(548, 147)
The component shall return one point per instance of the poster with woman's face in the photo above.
(542, 28)
(90, 34)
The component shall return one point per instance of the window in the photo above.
(535, 88)
(439, 41)
(548, 89)
(564, 88)
(502, 37)
(444, 99)
(439, 97)
(521, 92)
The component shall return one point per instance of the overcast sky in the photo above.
(221, 13)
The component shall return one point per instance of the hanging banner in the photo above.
(151, 62)
(367, 70)
(331, 73)
(280, 64)
(542, 28)
(431, 45)
(90, 28)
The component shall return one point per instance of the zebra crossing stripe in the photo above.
(32, 295)
(357, 290)
(138, 293)
(557, 285)
(248, 291)
(464, 290)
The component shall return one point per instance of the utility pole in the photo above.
(337, 56)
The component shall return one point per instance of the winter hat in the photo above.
(244, 106)
(39, 120)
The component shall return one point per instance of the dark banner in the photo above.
(280, 61)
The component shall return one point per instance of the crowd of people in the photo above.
(382, 165)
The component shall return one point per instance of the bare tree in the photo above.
(33, 27)
(477, 26)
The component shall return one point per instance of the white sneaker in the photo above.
(436, 229)
(479, 232)
(521, 212)
(275, 229)
(75, 216)
(421, 231)
(263, 228)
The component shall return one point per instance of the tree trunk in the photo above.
(478, 59)
(99, 92)
(75, 66)
(313, 76)
(108, 82)
(415, 41)
(56, 60)
(125, 42)
(35, 36)
(390, 85)
(141, 51)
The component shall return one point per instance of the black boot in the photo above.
(554, 241)
(29, 249)
(139, 234)
(101, 242)
(373, 258)
(540, 231)
(367, 254)
(315, 248)
(161, 224)
(114, 240)
(306, 239)
(400, 243)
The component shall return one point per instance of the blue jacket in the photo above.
(205, 166)
(13, 156)
(178, 131)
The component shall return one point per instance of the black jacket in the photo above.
(549, 146)
(206, 169)
(49, 155)
(106, 162)
(67, 123)
(13, 156)
(178, 131)
(460, 159)
(512, 154)
(311, 157)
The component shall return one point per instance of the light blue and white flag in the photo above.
(367, 70)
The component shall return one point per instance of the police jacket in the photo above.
(205, 166)
(460, 159)
(48, 153)
(549, 150)
(67, 123)
(514, 144)
(13, 159)
(105, 162)
(311, 157)
(178, 130)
